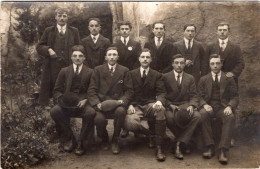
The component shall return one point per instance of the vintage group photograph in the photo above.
(120, 84)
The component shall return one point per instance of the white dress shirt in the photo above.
(176, 74)
(156, 41)
(214, 75)
(223, 45)
(142, 70)
(110, 66)
(62, 28)
(123, 39)
(92, 36)
(187, 43)
(75, 67)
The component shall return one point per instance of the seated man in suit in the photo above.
(107, 83)
(95, 44)
(70, 91)
(218, 98)
(181, 102)
(147, 101)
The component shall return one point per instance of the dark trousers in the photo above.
(61, 117)
(182, 126)
(227, 125)
(100, 121)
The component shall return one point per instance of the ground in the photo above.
(135, 154)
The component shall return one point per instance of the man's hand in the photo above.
(230, 74)
(228, 111)
(157, 105)
(82, 103)
(99, 106)
(190, 109)
(131, 110)
(174, 107)
(52, 53)
(188, 63)
(121, 102)
(208, 108)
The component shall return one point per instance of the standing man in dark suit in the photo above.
(230, 53)
(192, 50)
(218, 98)
(71, 94)
(161, 49)
(181, 102)
(148, 101)
(107, 83)
(128, 49)
(95, 44)
(55, 45)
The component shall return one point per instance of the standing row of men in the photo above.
(111, 89)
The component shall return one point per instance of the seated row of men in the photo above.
(171, 99)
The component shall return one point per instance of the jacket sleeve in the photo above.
(128, 89)
(239, 62)
(42, 47)
(59, 87)
(194, 99)
(160, 89)
(201, 92)
(233, 94)
(204, 61)
(94, 88)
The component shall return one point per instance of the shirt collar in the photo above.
(122, 39)
(187, 41)
(176, 74)
(92, 36)
(62, 27)
(156, 39)
(75, 67)
(220, 41)
(214, 74)
(142, 70)
(114, 67)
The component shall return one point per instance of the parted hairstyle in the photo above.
(111, 48)
(223, 23)
(160, 22)
(145, 50)
(214, 55)
(177, 56)
(61, 11)
(95, 19)
(191, 24)
(78, 48)
(120, 23)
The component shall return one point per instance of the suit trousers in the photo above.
(133, 121)
(61, 117)
(182, 126)
(227, 124)
(118, 114)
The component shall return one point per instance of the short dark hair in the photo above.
(145, 50)
(120, 23)
(78, 48)
(223, 23)
(177, 56)
(214, 55)
(159, 22)
(61, 11)
(94, 19)
(111, 48)
(191, 24)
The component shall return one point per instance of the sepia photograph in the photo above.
(130, 85)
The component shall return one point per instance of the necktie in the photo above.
(94, 39)
(189, 44)
(216, 78)
(223, 46)
(111, 71)
(158, 43)
(179, 80)
(144, 75)
(61, 31)
(125, 41)
(77, 70)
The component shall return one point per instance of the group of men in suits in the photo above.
(125, 82)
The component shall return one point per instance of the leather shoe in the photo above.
(69, 146)
(159, 154)
(79, 150)
(178, 153)
(151, 142)
(222, 158)
(105, 146)
(124, 133)
(209, 153)
(115, 148)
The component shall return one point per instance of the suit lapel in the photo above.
(209, 84)
(52, 35)
(223, 83)
(115, 77)
(182, 47)
(138, 77)
(83, 76)
(99, 40)
(173, 81)
(106, 75)
(91, 43)
(148, 78)
(194, 50)
(69, 79)
(227, 51)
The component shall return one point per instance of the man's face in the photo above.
(158, 30)
(77, 57)
(61, 18)
(223, 32)
(112, 57)
(178, 64)
(145, 59)
(189, 32)
(94, 27)
(215, 65)
(124, 30)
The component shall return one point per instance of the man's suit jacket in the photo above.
(149, 91)
(232, 57)
(187, 94)
(95, 53)
(228, 90)
(103, 86)
(200, 60)
(161, 56)
(48, 41)
(128, 54)
(64, 81)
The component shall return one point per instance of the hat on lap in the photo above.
(69, 100)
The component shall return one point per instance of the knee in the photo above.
(89, 112)
(100, 121)
(55, 112)
(169, 116)
(132, 123)
(204, 114)
(197, 116)
(120, 112)
(230, 117)
(160, 115)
